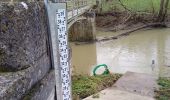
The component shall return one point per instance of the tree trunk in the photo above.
(166, 9)
(161, 10)
(153, 9)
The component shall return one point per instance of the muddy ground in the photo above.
(115, 21)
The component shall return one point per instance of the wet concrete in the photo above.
(131, 86)
(143, 84)
(115, 94)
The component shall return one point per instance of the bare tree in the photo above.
(166, 9)
(163, 10)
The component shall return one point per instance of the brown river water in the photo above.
(145, 51)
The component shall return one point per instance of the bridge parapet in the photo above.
(77, 7)
(75, 4)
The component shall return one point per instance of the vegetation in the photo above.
(3, 69)
(128, 14)
(83, 86)
(2, 55)
(163, 10)
(164, 92)
(158, 8)
(147, 6)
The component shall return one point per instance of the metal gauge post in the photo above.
(57, 15)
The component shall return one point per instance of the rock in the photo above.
(23, 35)
(24, 57)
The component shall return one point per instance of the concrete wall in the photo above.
(24, 52)
(83, 30)
(19, 0)
(23, 35)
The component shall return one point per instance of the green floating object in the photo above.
(106, 72)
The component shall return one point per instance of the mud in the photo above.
(115, 21)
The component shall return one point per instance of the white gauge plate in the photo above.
(63, 53)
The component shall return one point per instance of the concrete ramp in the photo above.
(115, 94)
(131, 86)
(143, 84)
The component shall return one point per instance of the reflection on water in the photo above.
(135, 52)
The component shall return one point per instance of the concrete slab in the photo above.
(115, 94)
(131, 86)
(143, 84)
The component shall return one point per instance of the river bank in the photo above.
(84, 86)
(124, 54)
(116, 21)
(164, 91)
(131, 53)
(118, 15)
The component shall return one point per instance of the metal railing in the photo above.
(77, 7)
(76, 4)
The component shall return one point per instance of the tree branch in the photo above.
(124, 6)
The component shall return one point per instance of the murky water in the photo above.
(146, 51)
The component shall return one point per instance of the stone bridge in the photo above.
(25, 64)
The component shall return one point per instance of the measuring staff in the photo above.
(57, 15)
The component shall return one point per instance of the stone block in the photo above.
(14, 85)
(23, 35)
(43, 90)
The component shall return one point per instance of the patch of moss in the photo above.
(1, 54)
(164, 91)
(4, 69)
(8, 68)
(83, 86)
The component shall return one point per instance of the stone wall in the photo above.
(24, 51)
(83, 30)
(19, 0)
(23, 35)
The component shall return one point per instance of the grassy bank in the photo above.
(149, 6)
(84, 86)
(164, 92)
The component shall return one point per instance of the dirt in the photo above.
(115, 21)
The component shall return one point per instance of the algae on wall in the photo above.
(2, 69)
(1, 55)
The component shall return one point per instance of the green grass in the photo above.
(164, 92)
(134, 5)
(83, 86)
